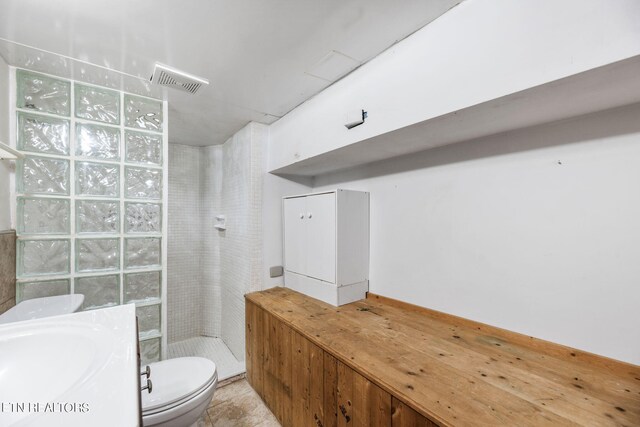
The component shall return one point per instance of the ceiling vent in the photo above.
(164, 75)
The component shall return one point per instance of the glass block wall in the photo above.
(89, 197)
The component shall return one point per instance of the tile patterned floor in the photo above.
(213, 349)
(237, 405)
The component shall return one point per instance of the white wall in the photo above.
(535, 230)
(6, 166)
(273, 190)
(478, 51)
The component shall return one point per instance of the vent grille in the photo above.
(164, 75)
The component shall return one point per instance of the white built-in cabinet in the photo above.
(326, 245)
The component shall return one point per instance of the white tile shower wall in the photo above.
(240, 247)
(184, 269)
(223, 265)
(210, 192)
(259, 141)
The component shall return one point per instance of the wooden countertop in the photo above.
(459, 372)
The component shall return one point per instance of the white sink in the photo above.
(60, 356)
(85, 358)
(43, 307)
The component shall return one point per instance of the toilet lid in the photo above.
(176, 379)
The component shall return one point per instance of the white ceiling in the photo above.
(259, 55)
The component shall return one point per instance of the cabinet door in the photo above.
(276, 386)
(306, 383)
(404, 416)
(295, 235)
(330, 392)
(254, 345)
(360, 402)
(321, 237)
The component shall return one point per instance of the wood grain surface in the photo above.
(425, 368)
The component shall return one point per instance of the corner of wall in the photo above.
(274, 188)
(6, 166)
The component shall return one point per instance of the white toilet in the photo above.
(182, 390)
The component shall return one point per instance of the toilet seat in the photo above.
(182, 405)
(176, 381)
(182, 414)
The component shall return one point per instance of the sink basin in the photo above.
(81, 358)
(60, 356)
(43, 307)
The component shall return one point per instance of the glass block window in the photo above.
(143, 183)
(142, 287)
(149, 320)
(97, 179)
(97, 254)
(41, 175)
(43, 93)
(97, 216)
(142, 113)
(43, 134)
(94, 103)
(44, 215)
(145, 148)
(89, 197)
(42, 288)
(142, 252)
(43, 257)
(101, 142)
(143, 218)
(99, 291)
(150, 351)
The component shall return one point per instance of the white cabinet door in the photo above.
(295, 235)
(320, 218)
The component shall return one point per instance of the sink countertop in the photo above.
(72, 370)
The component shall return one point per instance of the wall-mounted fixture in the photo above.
(164, 75)
(221, 223)
(276, 271)
(8, 153)
(355, 118)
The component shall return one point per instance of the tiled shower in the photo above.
(106, 207)
(90, 199)
(210, 270)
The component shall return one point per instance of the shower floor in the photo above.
(213, 349)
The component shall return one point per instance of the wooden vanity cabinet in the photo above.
(382, 363)
(360, 402)
(305, 386)
(307, 382)
(404, 416)
(269, 361)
